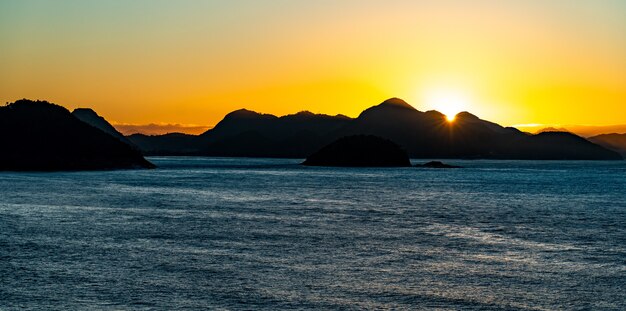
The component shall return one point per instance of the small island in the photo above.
(437, 164)
(360, 151)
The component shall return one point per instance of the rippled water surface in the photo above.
(219, 233)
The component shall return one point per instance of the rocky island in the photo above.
(360, 151)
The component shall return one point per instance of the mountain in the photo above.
(40, 136)
(580, 130)
(615, 142)
(422, 134)
(90, 117)
(560, 146)
(430, 135)
(360, 151)
(552, 129)
(248, 133)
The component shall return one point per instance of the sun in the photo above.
(448, 102)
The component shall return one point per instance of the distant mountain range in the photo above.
(580, 130)
(40, 136)
(422, 134)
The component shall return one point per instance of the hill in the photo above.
(615, 142)
(90, 117)
(40, 136)
(360, 151)
(248, 133)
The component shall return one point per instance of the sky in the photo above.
(188, 63)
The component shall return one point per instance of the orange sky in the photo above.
(191, 62)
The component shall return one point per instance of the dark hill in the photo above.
(90, 117)
(239, 121)
(360, 151)
(560, 146)
(247, 133)
(615, 142)
(261, 135)
(39, 136)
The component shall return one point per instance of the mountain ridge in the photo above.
(423, 134)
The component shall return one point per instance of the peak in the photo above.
(35, 105)
(305, 113)
(435, 113)
(552, 129)
(393, 106)
(556, 134)
(301, 114)
(25, 101)
(396, 102)
(248, 114)
(465, 115)
(29, 103)
(342, 116)
(243, 113)
(84, 111)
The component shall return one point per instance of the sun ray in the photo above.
(448, 102)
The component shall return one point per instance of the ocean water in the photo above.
(268, 234)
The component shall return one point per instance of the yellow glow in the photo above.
(511, 62)
(448, 102)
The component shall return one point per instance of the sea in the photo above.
(269, 234)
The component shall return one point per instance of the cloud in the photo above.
(160, 128)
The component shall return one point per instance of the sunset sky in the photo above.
(191, 62)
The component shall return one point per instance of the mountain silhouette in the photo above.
(615, 142)
(40, 136)
(422, 134)
(552, 129)
(90, 117)
(360, 151)
(247, 133)
(561, 146)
